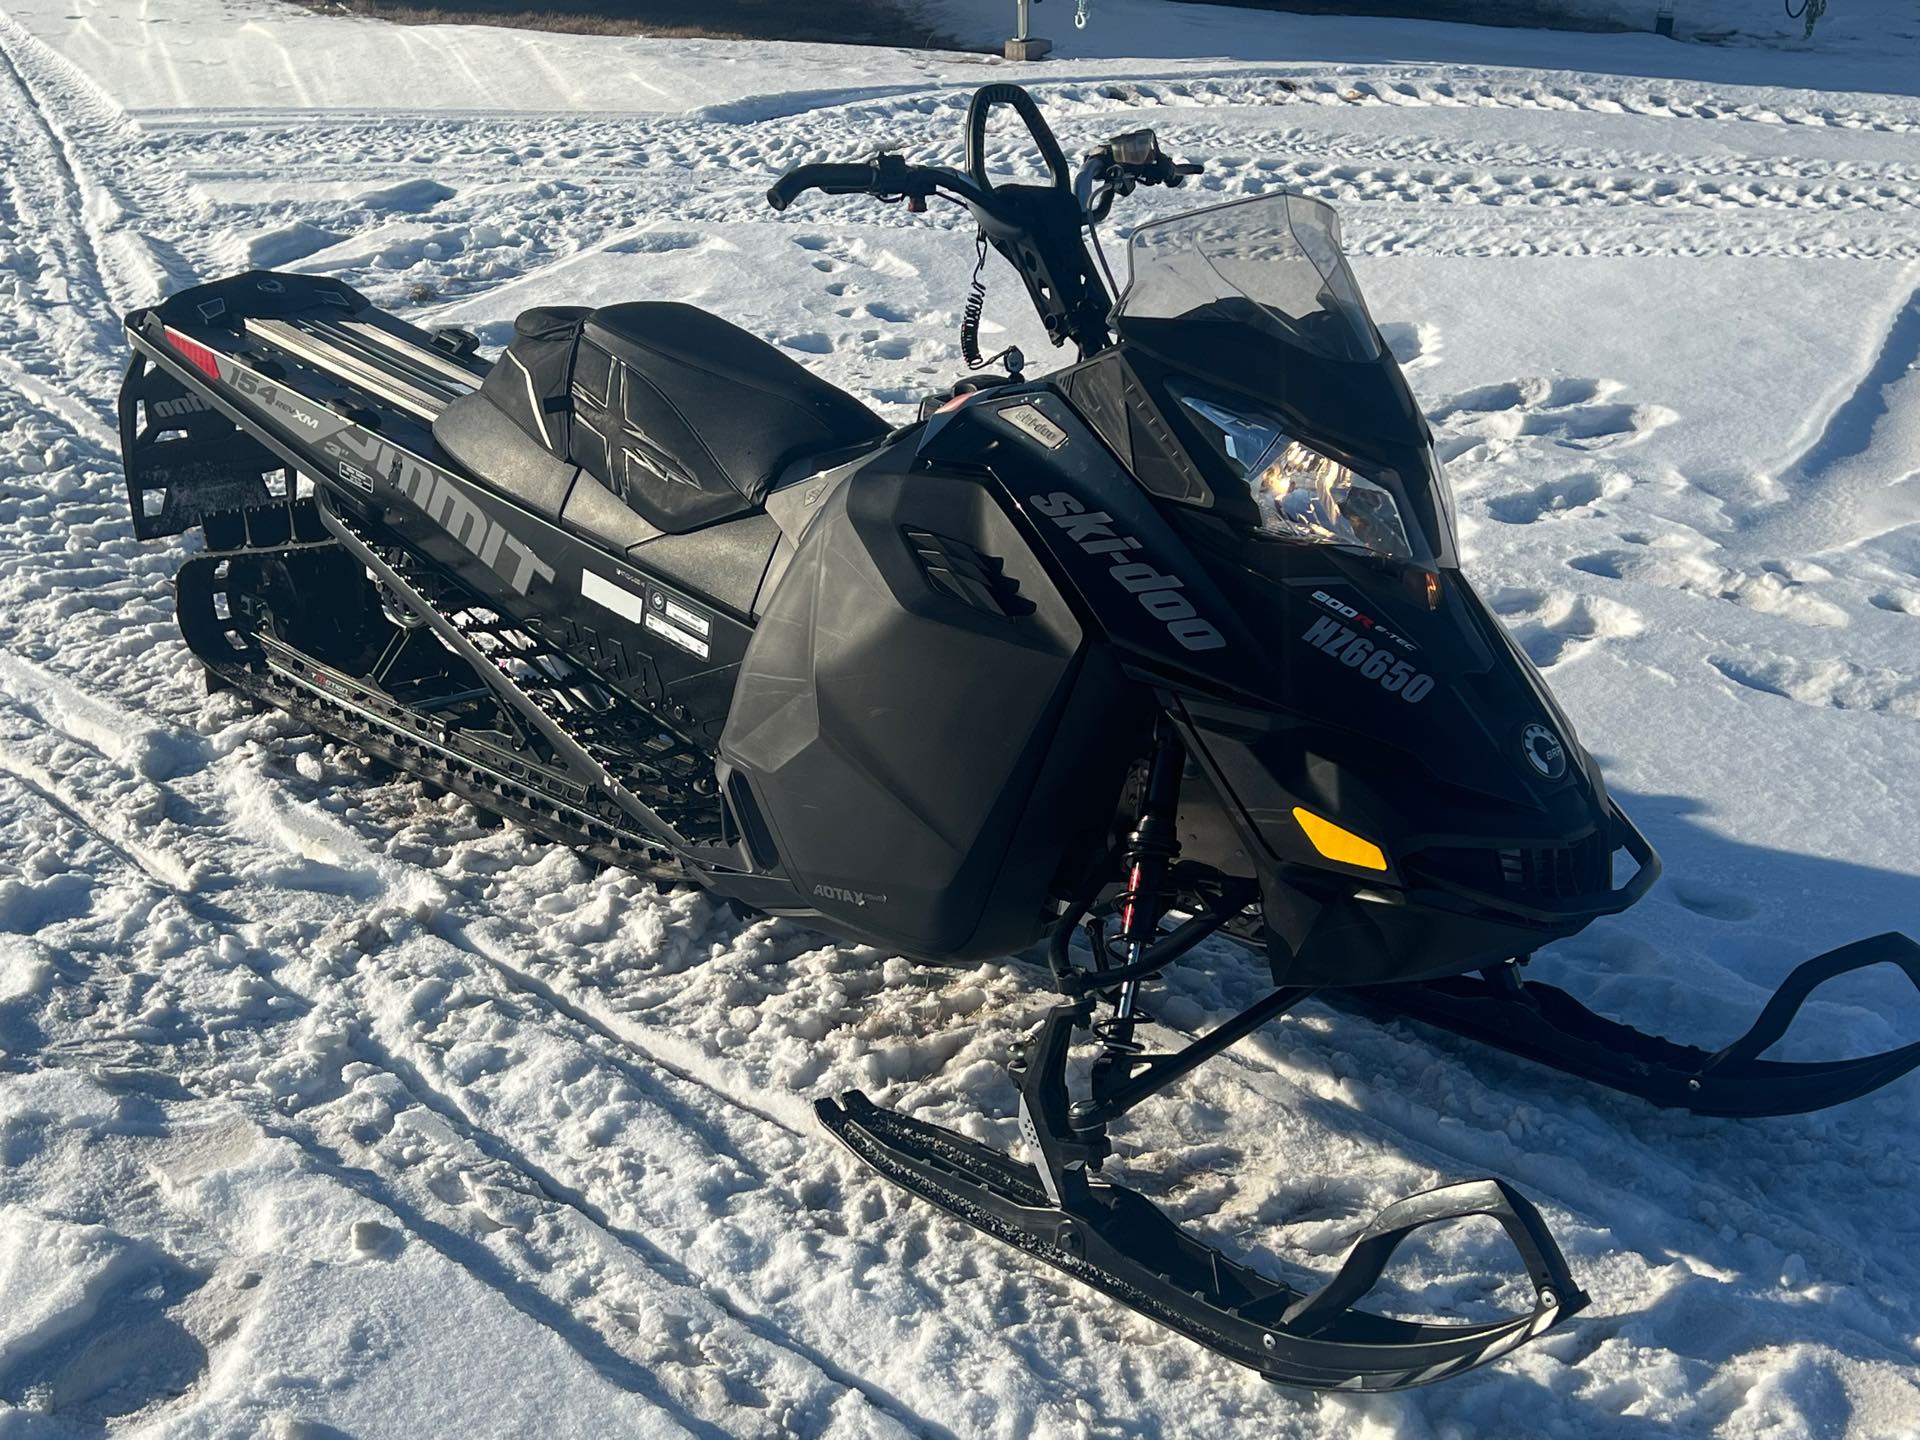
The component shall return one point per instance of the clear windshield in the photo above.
(1272, 262)
(1252, 305)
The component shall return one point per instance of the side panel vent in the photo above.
(955, 568)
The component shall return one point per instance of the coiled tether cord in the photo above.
(976, 306)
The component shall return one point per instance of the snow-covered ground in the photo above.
(326, 1108)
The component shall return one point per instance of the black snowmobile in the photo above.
(1168, 644)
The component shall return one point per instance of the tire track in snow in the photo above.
(146, 224)
(98, 228)
(156, 867)
(1400, 86)
(605, 159)
(677, 1065)
(343, 915)
(675, 1054)
(652, 1260)
(676, 1271)
(59, 316)
(281, 933)
(428, 1219)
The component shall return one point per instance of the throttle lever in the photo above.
(1136, 158)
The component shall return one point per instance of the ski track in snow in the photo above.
(330, 1075)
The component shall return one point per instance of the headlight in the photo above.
(1300, 493)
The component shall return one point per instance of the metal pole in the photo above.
(1024, 45)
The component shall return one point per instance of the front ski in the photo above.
(1113, 1239)
(1545, 1024)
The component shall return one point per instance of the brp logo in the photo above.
(1544, 751)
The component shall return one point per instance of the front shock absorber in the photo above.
(1150, 852)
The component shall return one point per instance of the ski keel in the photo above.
(1545, 1024)
(1118, 1242)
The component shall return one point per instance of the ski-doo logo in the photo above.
(861, 898)
(1093, 532)
(443, 501)
(185, 405)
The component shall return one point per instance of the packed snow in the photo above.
(329, 1108)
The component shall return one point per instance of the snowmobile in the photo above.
(1170, 643)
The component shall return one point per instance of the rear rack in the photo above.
(382, 369)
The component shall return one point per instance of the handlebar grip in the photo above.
(985, 100)
(834, 179)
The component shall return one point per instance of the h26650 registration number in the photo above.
(1377, 663)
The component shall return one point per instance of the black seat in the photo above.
(686, 418)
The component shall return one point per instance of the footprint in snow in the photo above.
(1831, 683)
(1555, 626)
(1898, 602)
(1573, 414)
(1773, 587)
(832, 254)
(1565, 496)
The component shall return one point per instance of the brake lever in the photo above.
(897, 180)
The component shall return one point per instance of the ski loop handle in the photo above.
(1780, 1012)
(1555, 1290)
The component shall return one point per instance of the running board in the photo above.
(424, 741)
(1116, 1241)
(1544, 1024)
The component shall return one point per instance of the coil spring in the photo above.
(1116, 1035)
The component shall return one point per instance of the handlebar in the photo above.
(1113, 168)
(1039, 229)
(833, 178)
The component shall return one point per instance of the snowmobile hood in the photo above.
(1393, 658)
(1379, 697)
